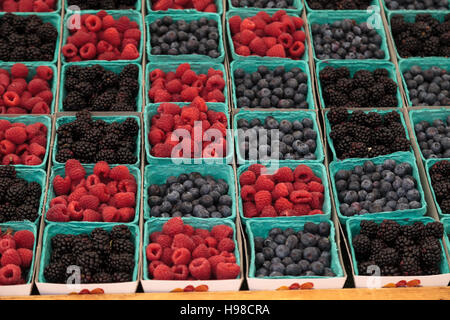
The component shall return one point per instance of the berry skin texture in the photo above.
(200, 269)
(26, 257)
(24, 239)
(247, 178)
(222, 231)
(226, 244)
(181, 240)
(181, 256)
(263, 198)
(153, 251)
(163, 272)
(11, 256)
(6, 244)
(225, 270)
(173, 226)
(10, 275)
(264, 183)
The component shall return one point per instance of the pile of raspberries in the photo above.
(103, 4)
(16, 249)
(199, 5)
(182, 252)
(28, 6)
(21, 95)
(262, 35)
(101, 37)
(185, 84)
(171, 117)
(22, 143)
(284, 193)
(106, 195)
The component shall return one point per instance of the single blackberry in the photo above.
(388, 230)
(360, 95)
(400, 144)
(109, 141)
(93, 136)
(7, 212)
(122, 246)
(387, 257)
(368, 228)
(380, 72)
(63, 155)
(376, 93)
(357, 150)
(47, 32)
(434, 229)
(34, 54)
(26, 212)
(337, 115)
(392, 117)
(55, 272)
(131, 126)
(376, 246)
(84, 151)
(102, 277)
(67, 259)
(90, 260)
(125, 156)
(120, 232)
(16, 193)
(411, 251)
(74, 101)
(364, 268)
(129, 71)
(441, 189)
(390, 86)
(101, 242)
(415, 231)
(344, 85)
(7, 172)
(374, 119)
(383, 136)
(62, 242)
(121, 262)
(104, 101)
(361, 245)
(123, 106)
(81, 243)
(109, 79)
(363, 79)
(84, 88)
(129, 84)
(431, 255)
(409, 266)
(18, 54)
(431, 47)
(387, 102)
(122, 277)
(358, 117)
(107, 155)
(402, 242)
(390, 271)
(333, 97)
(32, 201)
(34, 189)
(86, 276)
(445, 205)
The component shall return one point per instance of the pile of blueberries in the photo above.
(296, 139)
(190, 195)
(169, 37)
(429, 87)
(434, 138)
(417, 4)
(372, 188)
(267, 4)
(290, 253)
(277, 88)
(346, 39)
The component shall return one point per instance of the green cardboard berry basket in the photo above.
(354, 66)
(137, 6)
(446, 223)
(218, 3)
(252, 66)
(278, 115)
(198, 67)
(428, 164)
(409, 16)
(156, 224)
(318, 169)
(157, 174)
(351, 163)
(75, 229)
(297, 4)
(326, 17)
(60, 169)
(353, 228)
(47, 121)
(374, 5)
(419, 115)
(50, 17)
(424, 63)
(151, 110)
(258, 228)
(131, 14)
(245, 13)
(382, 112)
(187, 16)
(110, 66)
(388, 11)
(108, 119)
(32, 72)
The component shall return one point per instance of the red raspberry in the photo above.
(214, 261)
(112, 36)
(226, 244)
(89, 202)
(7, 147)
(243, 51)
(198, 240)
(165, 122)
(202, 233)
(298, 22)
(7, 243)
(17, 135)
(264, 183)
(153, 251)
(274, 29)
(163, 272)
(314, 212)
(166, 256)
(122, 24)
(181, 256)
(61, 185)
(300, 186)
(299, 35)
(216, 96)
(215, 82)
(262, 198)
(201, 252)
(152, 266)
(200, 269)
(11, 99)
(268, 211)
(77, 194)
(119, 173)
(264, 16)
(247, 23)
(126, 214)
(258, 46)
(303, 173)
(10, 274)
(110, 214)
(154, 236)
(201, 5)
(188, 230)
(18, 87)
(26, 256)
(247, 36)
(229, 257)
(132, 33)
(247, 178)
(40, 108)
(58, 213)
(59, 200)
(297, 49)
(221, 231)
(74, 170)
(280, 190)
(235, 24)
(249, 209)
(88, 51)
(125, 199)
(283, 204)
(162, 150)
(79, 38)
(284, 174)
(181, 240)
(211, 242)
(127, 185)
(75, 211)
(19, 70)
(174, 86)
(189, 115)
(164, 240)
(316, 200)
(173, 226)
(315, 187)
(276, 51)
(190, 93)
(300, 196)
(180, 272)
(91, 216)
(301, 209)
(129, 52)
(248, 193)
(101, 169)
(11, 159)
(227, 270)
(24, 239)
(257, 169)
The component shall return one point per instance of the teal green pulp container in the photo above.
(374, 5)
(446, 223)
(137, 6)
(156, 224)
(428, 164)
(258, 228)
(278, 115)
(158, 174)
(351, 163)
(218, 4)
(184, 57)
(370, 17)
(252, 66)
(113, 66)
(354, 66)
(198, 67)
(388, 11)
(297, 4)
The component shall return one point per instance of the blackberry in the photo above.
(368, 228)
(363, 79)
(107, 155)
(387, 257)
(90, 260)
(67, 259)
(129, 84)
(131, 126)
(388, 230)
(109, 79)
(125, 156)
(120, 232)
(122, 246)
(411, 251)
(7, 212)
(337, 115)
(402, 242)
(47, 32)
(383, 136)
(409, 266)
(390, 271)
(81, 243)
(361, 244)
(363, 267)
(400, 144)
(434, 229)
(63, 155)
(74, 101)
(431, 255)
(104, 101)
(16, 193)
(7, 172)
(358, 117)
(18, 54)
(328, 75)
(84, 151)
(415, 231)
(445, 205)
(34, 54)
(93, 136)
(102, 277)
(376, 246)
(122, 277)
(376, 93)
(121, 262)
(62, 242)
(109, 141)
(55, 272)
(387, 102)
(123, 106)
(86, 275)
(390, 87)
(391, 117)
(83, 88)
(380, 72)
(129, 71)
(26, 212)
(344, 85)
(374, 119)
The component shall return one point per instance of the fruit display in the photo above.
(265, 4)
(363, 89)
(91, 140)
(16, 251)
(101, 255)
(425, 36)
(169, 36)
(199, 5)
(102, 37)
(20, 199)
(285, 252)
(395, 249)
(434, 138)
(417, 4)
(428, 86)
(27, 38)
(296, 140)
(97, 89)
(28, 6)
(440, 181)
(266, 87)
(366, 135)
(339, 4)
(387, 186)
(183, 252)
(102, 4)
(185, 84)
(278, 35)
(286, 193)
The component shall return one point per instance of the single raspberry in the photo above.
(264, 183)
(166, 256)
(127, 185)
(221, 231)
(268, 211)
(301, 209)
(154, 236)
(198, 240)
(17, 135)
(200, 252)
(152, 266)
(173, 226)
(89, 202)
(226, 244)
(202, 233)
(297, 49)
(274, 29)
(280, 190)
(300, 196)
(19, 70)
(7, 147)
(126, 214)
(257, 169)
(10, 256)
(249, 209)
(59, 200)
(181, 256)
(163, 272)
(247, 178)
(129, 52)
(88, 51)
(200, 269)
(162, 150)
(276, 51)
(180, 272)
(169, 108)
(189, 94)
(112, 36)
(164, 240)
(119, 173)
(10, 275)
(216, 95)
(188, 230)
(153, 251)
(229, 257)
(243, 51)
(58, 213)
(316, 200)
(62, 186)
(248, 193)
(227, 270)
(125, 199)
(26, 257)
(181, 240)
(262, 198)
(77, 194)
(299, 35)
(165, 122)
(258, 46)
(284, 174)
(283, 204)
(6, 244)
(235, 24)
(285, 40)
(315, 187)
(303, 173)
(214, 261)
(110, 214)
(74, 170)
(24, 239)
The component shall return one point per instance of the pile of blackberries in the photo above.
(97, 89)
(103, 4)
(296, 139)
(101, 256)
(190, 195)
(267, 4)
(19, 199)
(365, 89)
(417, 4)
(429, 87)
(440, 181)
(434, 138)
(370, 188)
(290, 253)
(26, 38)
(90, 141)
(398, 250)
(174, 37)
(277, 88)
(425, 37)
(366, 135)
(346, 39)
(339, 4)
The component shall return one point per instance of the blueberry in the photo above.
(342, 175)
(324, 244)
(291, 241)
(259, 259)
(293, 270)
(324, 229)
(278, 267)
(261, 272)
(225, 200)
(413, 195)
(408, 184)
(296, 254)
(259, 243)
(317, 267)
(308, 240)
(354, 185)
(267, 264)
(280, 238)
(268, 253)
(367, 185)
(275, 260)
(310, 227)
(350, 197)
(305, 265)
(325, 258)
(328, 273)
(282, 251)
(311, 254)
(225, 211)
